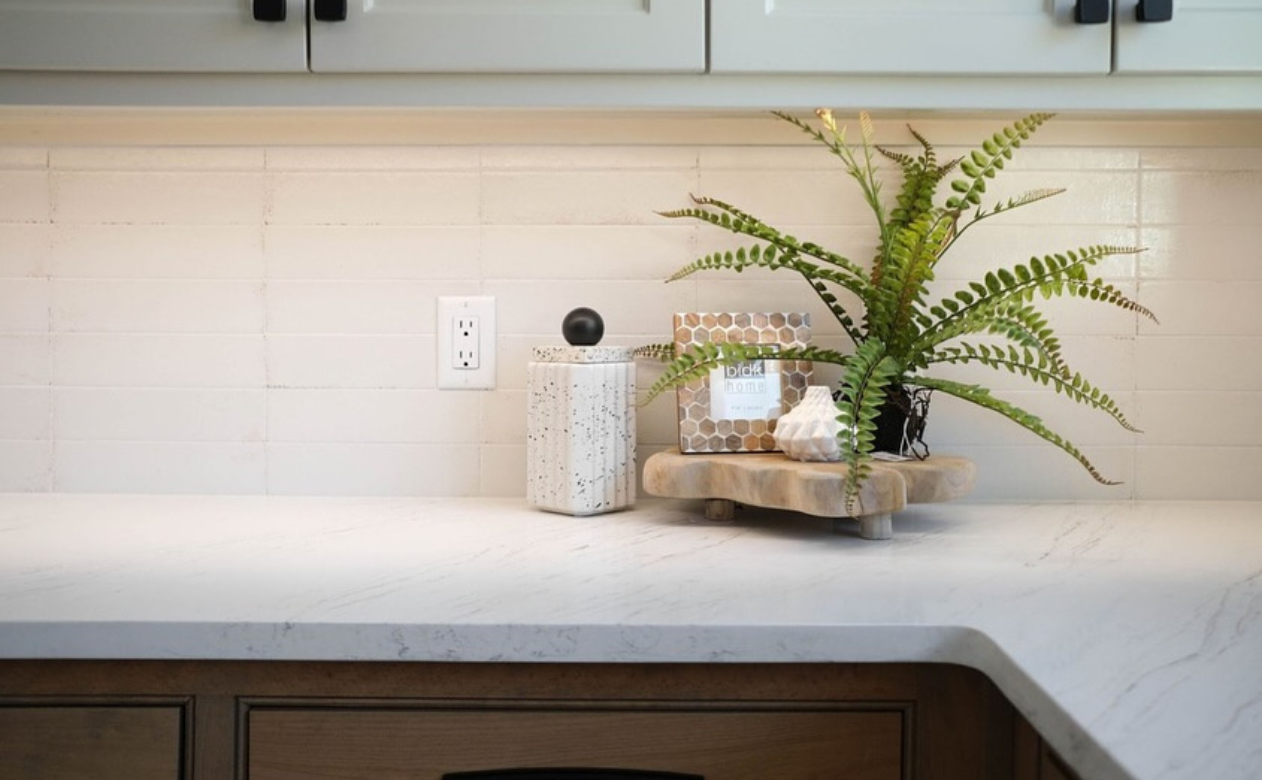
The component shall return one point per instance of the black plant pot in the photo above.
(900, 425)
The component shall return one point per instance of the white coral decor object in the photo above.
(809, 431)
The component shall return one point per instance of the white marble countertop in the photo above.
(1129, 634)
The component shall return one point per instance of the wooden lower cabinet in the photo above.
(422, 721)
(57, 741)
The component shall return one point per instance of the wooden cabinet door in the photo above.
(81, 742)
(498, 36)
(930, 37)
(716, 742)
(149, 35)
(1202, 36)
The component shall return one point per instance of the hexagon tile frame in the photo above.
(699, 431)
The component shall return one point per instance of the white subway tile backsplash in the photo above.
(24, 304)
(20, 157)
(24, 249)
(160, 158)
(1193, 159)
(1204, 198)
(25, 466)
(159, 414)
(24, 196)
(627, 306)
(373, 469)
(595, 158)
(158, 360)
(157, 306)
(503, 417)
(1199, 253)
(158, 251)
(24, 412)
(373, 198)
(372, 416)
(158, 467)
(1199, 363)
(611, 252)
(357, 306)
(359, 252)
(1205, 418)
(1196, 308)
(25, 359)
(158, 197)
(502, 470)
(618, 197)
(1192, 473)
(373, 158)
(249, 319)
(350, 361)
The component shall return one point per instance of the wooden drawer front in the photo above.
(343, 744)
(89, 743)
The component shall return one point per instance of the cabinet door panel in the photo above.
(991, 37)
(149, 35)
(1204, 36)
(721, 745)
(101, 743)
(489, 36)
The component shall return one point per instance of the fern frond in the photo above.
(982, 397)
(1099, 290)
(660, 352)
(909, 267)
(1024, 199)
(864, 378)
(1050, 275)
(756, 256)
(1016, 321)
(732, 222)
(1036, 367)
(983, 163)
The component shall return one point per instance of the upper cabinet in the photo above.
(162, 36)
(1100, 55)
(919, 37)
(369, 36)
(504, 36)
(1199, 36)
(986, 37)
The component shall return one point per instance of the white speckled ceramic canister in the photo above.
(580, 429)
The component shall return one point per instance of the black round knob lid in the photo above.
(583, 327)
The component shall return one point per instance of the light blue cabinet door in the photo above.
(930, 37)
(1202, 36)
(150, 35)
(506, 36)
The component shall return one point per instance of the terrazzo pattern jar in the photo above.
(580, 429)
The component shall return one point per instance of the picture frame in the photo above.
(735, 408)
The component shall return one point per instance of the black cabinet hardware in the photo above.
(1092, 11)
(269, 10)
(329, 10)
(1154, 10)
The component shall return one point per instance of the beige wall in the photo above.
(230, 303)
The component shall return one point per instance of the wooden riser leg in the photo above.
(720, 510)
(870, 526)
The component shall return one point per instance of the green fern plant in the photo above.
(901, 335)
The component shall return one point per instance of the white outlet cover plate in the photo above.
(449, 309)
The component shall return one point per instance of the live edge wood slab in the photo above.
(775, 481)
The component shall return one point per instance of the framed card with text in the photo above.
(734, 408)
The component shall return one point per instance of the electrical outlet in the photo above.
(466, 343)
